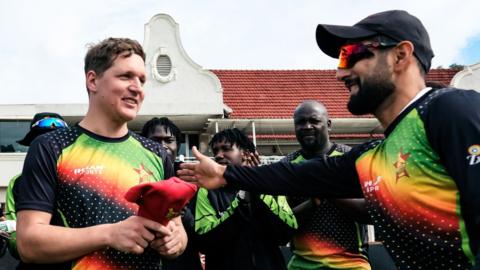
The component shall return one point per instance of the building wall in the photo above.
(468, 78)
(187, 89)
(10, 165)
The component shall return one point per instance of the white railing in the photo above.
(264, 160)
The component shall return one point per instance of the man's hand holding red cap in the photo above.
(173, 244)
(133, 234)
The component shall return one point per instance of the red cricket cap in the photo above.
(161, 201)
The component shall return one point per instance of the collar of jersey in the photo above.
(103, 138)
(419, 96)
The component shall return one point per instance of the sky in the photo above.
(43, 43)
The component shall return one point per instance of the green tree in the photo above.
(456, 66)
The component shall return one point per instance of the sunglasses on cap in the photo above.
(350, 54)
(50, 122)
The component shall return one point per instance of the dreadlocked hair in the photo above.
(233, 136)
(149, 127)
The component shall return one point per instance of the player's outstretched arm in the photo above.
(206, 173)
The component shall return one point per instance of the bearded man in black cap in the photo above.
(421, 183)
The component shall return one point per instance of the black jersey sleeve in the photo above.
(452, 123)
(271, 225)
(226, 231)
(35, 189)
(328, 177)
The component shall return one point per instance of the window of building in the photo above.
(164, 65)
(10, 132)
(188, 141)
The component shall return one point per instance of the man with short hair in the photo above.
(166, 133)
(420, 183)
(328, 236)
(76, 178)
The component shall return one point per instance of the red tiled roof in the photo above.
(276, 93)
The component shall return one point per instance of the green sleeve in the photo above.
(279, 206)
(10, 200)
(11, 215)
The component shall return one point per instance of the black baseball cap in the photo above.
(37, 130)
(398, 25)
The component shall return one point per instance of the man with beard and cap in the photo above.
(328, 236)
(420, 183)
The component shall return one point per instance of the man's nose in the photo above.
(136, 85)
(219, 155)
(343, 73)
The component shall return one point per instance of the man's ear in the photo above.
(329, 125)
(91, 81)
(403, 55)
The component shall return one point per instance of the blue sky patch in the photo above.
(471, 53)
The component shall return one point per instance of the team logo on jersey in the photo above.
(89, 170)
(172, 213)
(372, 185)
(401, 165)
(474, 157)
(143, 174)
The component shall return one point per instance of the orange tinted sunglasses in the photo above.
(350, 54)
